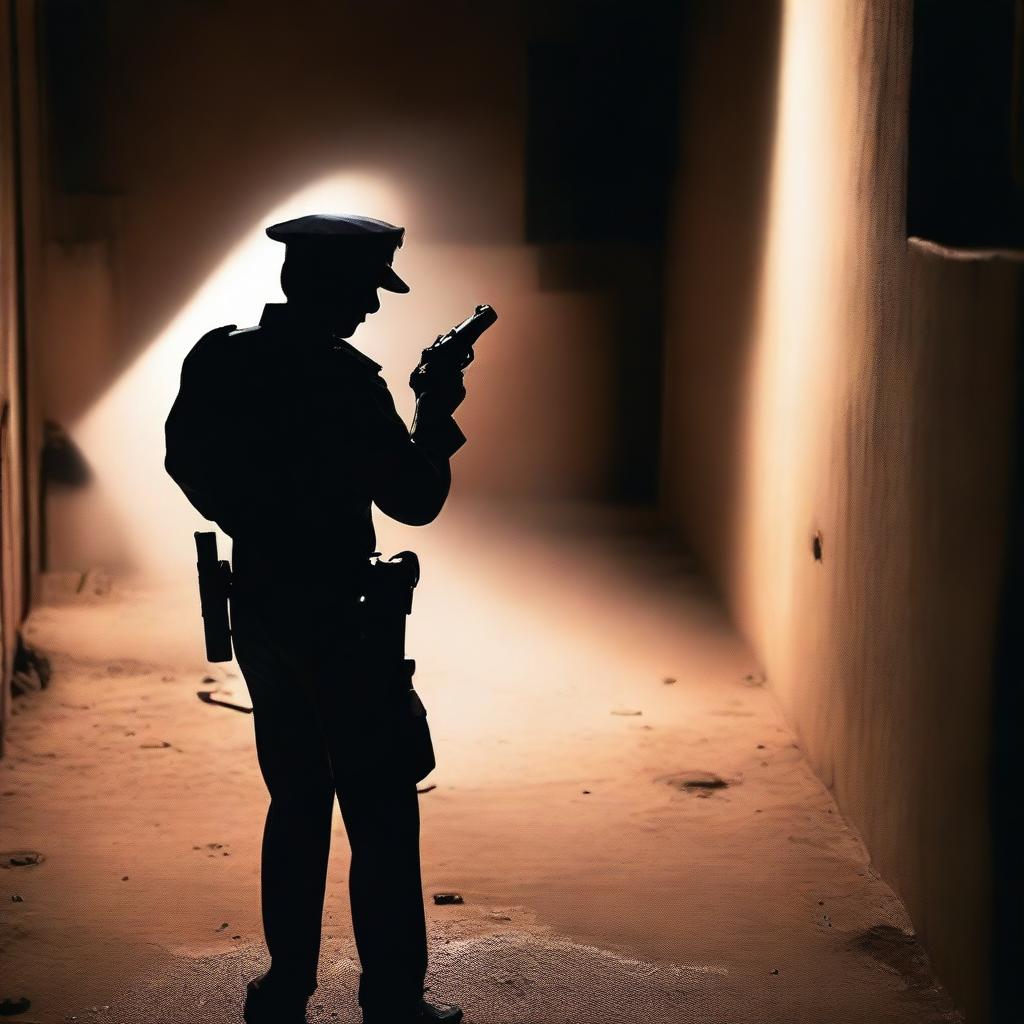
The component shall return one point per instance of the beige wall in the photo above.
(214, 120)
(825, 377)
(19, 432)
(11, 512)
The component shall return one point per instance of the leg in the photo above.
(295, 763)
(296, 844)
(380, 809)
(386, 892)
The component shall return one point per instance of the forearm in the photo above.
(413, 475)
(413, 481)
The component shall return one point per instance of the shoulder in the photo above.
(211, 342)
(216, 345)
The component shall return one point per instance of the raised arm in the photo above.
(411, 473)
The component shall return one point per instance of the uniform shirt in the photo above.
(284, 435)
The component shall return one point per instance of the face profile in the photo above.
(350, 301)
(335, 294)
(334, 266)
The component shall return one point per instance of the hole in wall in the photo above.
(816, 548)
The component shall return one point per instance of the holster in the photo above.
(387, 602)
(214, 591)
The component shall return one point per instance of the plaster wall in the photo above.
(11, 518)
(203, 123)
(838, 423)
(18, 437)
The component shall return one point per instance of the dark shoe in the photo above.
(445, 1013)
(266, 1003)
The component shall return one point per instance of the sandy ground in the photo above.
(577, 679)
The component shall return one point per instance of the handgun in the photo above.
(451, 352)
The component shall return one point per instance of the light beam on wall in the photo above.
(134, 516)
(800, 314)
(530, 436)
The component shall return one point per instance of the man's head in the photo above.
(334, 266)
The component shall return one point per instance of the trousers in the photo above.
(322, 734)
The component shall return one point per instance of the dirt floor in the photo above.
(632, 826)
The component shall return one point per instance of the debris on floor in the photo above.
(30, 671)
(20, 858)
(447, 899)
(598, 888)
(899, 950)
(695, 781)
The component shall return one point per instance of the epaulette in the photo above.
(208, 346)
(217, 332)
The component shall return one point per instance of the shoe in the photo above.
(267, 1004)
(444, 1013)
(447, 1012)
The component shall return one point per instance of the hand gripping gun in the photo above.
(451, 353)
(439, 373)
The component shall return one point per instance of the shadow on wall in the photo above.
(1007, 770)
(718, 234)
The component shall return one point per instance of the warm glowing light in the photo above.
(801, 309)
(551, 442)
(122, 434)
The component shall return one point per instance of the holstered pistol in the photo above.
(214, 591)
(387, 604)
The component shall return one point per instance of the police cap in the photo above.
(346, 237)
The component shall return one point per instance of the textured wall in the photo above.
(11, 512)
(860, 396)
(184, 128)
(18, 476)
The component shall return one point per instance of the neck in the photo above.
(311, 317)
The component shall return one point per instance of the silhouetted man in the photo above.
(284, 434)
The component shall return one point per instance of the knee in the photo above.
(381, 829)
(311, 801)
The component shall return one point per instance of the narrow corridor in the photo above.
(630, 823)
